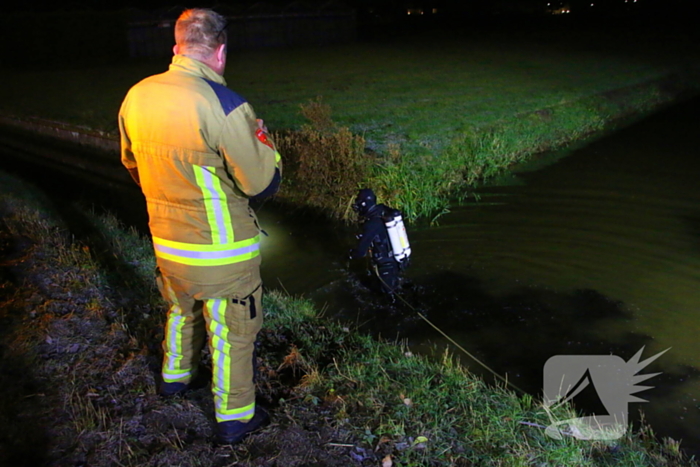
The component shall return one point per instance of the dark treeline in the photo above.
(681, 7)
(94, 31)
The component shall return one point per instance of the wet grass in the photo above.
(424, 411)
(438, 112)
(84, 319)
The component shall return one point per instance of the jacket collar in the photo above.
(194, 67)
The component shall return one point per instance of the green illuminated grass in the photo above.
(452, 111)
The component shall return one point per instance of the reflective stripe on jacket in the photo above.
(193, 142)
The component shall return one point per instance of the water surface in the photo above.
(593, 252)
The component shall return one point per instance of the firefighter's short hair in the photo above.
(200, 31)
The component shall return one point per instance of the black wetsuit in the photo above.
(375, 236)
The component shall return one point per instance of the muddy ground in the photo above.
(79, 360)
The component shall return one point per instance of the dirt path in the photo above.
(23, 397)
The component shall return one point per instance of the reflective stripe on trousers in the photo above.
(233, 325)
(184, 337)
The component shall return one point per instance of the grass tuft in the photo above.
(325, 163)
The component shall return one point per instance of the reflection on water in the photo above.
(597, 253)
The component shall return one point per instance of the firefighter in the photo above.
(383, 233)
(200, 155)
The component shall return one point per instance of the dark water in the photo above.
(595, 251)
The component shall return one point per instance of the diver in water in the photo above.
(383, 233)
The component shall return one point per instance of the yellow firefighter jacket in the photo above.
(199, 159)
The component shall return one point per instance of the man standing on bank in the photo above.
(199, 154)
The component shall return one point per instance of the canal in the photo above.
(591, 251)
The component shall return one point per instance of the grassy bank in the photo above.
(437, 112)
(80, 346)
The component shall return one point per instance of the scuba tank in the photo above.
(398, 238)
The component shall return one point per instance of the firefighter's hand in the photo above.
(359, 236)
(261, 125)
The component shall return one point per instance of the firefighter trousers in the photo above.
(230, 326)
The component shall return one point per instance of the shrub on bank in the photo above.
(324, 163)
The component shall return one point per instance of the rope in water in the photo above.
(449, 339)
